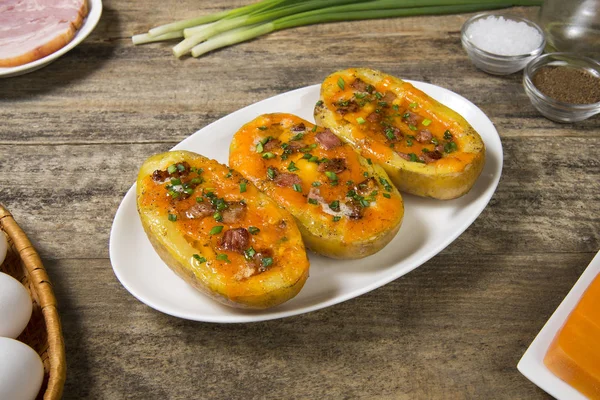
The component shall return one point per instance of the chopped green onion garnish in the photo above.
(297, 188)
(450, 147)
(313, 159)
(413, 157)
(180, 167)
(447, 135)
(335, 205)
(360, 120)
(196, 181)
(217, 229)
(386, 185)
(259, 147)
(336, 218)
(218, 217)
(298, 136)
(396, 107)
(199, 199)
(364, 203)
(366, 174)
(369, 161)
(242, 187)
(223, 257)
(319, 103)
(409, 142)
(312, 201)
(262, 128)
(188, 190)
(435, 141)
(331, 175)
(267, 261)
(316, 184)
(412, 127)
(426, 122)
(172, 217)
(253, 230)
(200, 259)
(387, 195)
(271, 173)
(341, 83)
(413, 105)
(249, 253)
(379, 95)
(268, 155)
(172, 169)
(175, 181)
(292, 167)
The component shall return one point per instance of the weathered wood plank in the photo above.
(449, 329)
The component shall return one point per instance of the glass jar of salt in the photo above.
(572, 26)
(501, 44)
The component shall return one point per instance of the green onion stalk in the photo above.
(225, 28)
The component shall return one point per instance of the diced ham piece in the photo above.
(424, 136)
(413, 119)
(328, 139)
(374, 117)
(234, 212)
(389, 97)
(359, 85)
(33, 29)
(294, 146)
(272, 145)
(349, 107)
(200, 210)
(336, 165)
(431, 156)
(298, 128)
(286, 179)
(235, 240)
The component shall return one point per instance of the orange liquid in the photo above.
(574, 355)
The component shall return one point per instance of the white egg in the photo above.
(15, 307)
(21, 370)
(3, 247)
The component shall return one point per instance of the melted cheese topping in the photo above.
(275, 233)
(370, 135)
(380, 213)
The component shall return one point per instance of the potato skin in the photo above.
(236, 281)
(449, 177)
(359, 230)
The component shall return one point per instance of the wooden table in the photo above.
(74, 134)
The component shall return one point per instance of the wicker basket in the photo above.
(43, 333)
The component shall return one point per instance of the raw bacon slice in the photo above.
(32, 29)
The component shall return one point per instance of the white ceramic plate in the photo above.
(532, 363)
(428, 227)
(87, 27)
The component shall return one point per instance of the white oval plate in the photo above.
(87, 27)
(428, 227)
(532, 364)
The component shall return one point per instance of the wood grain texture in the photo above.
(74, 134)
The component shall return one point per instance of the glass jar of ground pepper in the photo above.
(564, 87)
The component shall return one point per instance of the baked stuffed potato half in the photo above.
(345, 206)
(426, 148)
(220, 234)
